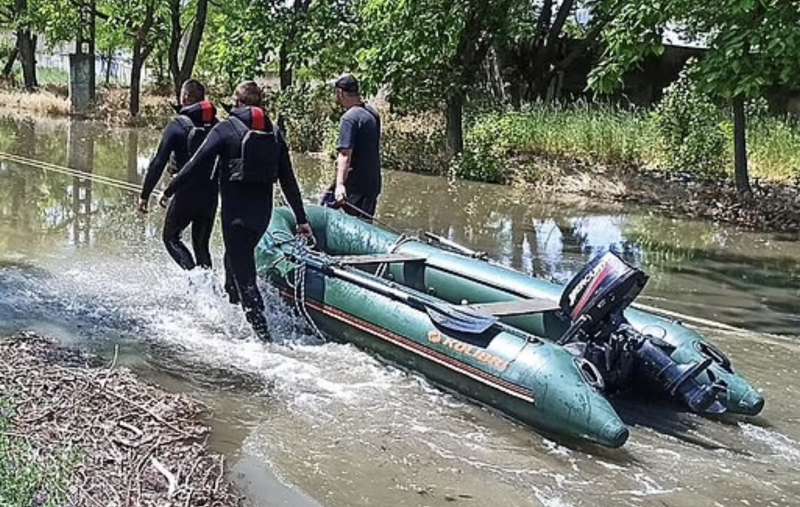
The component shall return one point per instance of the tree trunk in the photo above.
(284, 69)
(140, 53)
(195, 38)
(455, 123)
(109, 61)
(182, 71)
(27, 53)
(136, 78)
(174, 47)
(740, 148)
(93, 50)
(9, 66)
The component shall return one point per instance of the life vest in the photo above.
(257, 159)
(196, 131)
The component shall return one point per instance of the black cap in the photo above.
(347, 82)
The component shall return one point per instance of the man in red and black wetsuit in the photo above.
(196, 203)
(246, 207)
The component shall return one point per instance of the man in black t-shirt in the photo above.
(358, 165)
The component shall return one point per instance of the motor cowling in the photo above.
(593, 303)
(595, 299)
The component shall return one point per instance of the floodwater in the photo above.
(305, 423)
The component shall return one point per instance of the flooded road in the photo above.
(306, 423)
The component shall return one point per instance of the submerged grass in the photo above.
(41, 102)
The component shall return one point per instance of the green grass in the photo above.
(774, 148)
(27, 476)
(580, 130)
(499, 143)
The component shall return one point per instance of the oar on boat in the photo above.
(443, 314)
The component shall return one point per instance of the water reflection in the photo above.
(744, 279)
(80, 156)
(75, 256)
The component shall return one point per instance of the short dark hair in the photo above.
(193, 90)
(249, 93)
(348, 84)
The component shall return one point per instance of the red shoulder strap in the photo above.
(207, 111)
(258, 119)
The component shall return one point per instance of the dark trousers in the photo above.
(363, 206)
(182, 212)
(240, 274)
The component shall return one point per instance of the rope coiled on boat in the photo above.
(300, 249)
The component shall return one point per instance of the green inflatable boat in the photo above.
(541, 353)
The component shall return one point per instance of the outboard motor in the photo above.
(593, 303)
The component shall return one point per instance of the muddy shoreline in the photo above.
(773, 207)
(115, 439)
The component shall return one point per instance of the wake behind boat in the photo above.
(544, 354)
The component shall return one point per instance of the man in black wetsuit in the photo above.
(246, 207)
(358, 165)
(196, 203)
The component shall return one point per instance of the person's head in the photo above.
(347, 90)
(248, 93)
(192, 92)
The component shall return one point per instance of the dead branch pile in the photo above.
(133, 443)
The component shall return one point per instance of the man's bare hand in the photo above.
(142, 207)
(164, 201)
(304, 230)
(340, 194)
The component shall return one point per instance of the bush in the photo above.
(414, 143)
(689, 126)
(309, 114)
(488, 147)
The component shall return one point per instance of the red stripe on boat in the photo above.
(419, 349)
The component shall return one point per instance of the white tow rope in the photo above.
(298, 283)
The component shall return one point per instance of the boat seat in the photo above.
(515, 307)
(381, 258)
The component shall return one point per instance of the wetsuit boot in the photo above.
(254, 312)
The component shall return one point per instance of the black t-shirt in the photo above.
(360, 131)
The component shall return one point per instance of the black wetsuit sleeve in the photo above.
(212, 147)
(288, 180)
(173, 135)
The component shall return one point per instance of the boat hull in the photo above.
(517, 369)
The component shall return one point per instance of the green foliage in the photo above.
(25, 479)
(414, 143)
(753, 44)
(244, 39)
(490, 146)
(502, 147)
(426, 49)
(688, 123)
(59, 20)
(498, 144)
(774, 148)
(310, 114)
